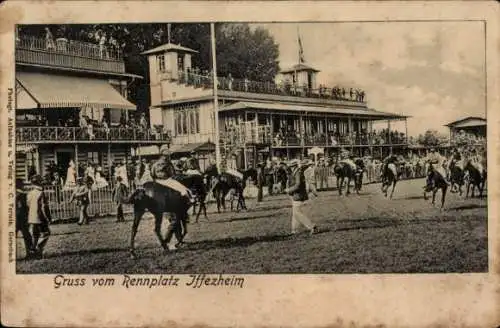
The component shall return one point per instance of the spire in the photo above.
(301, 49)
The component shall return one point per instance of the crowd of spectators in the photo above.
(85, 128)
(335, 138)
(203, 78)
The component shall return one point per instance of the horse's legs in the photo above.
(393, 186)
(339, 185)
(434, 191)
(348, 185)
(135, 225)
(158, 221)
(443, 195)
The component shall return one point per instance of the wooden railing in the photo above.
(76, 134)
(331, 140)
(69, 54)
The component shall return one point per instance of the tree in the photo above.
(432, 138)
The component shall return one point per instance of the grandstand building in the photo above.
(473, 127)
(257, 120)
(71, 105)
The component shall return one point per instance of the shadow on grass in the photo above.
(245, 218)
(234, 242)
(467, 207)
(369, 223)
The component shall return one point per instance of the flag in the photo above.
(301, 52)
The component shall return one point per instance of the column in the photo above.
(109, 161)
(76, 159)
(406, 129)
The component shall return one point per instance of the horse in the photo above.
(456, 178)
(226, 182)
(439, 182)
(344, 170)
(474, 179)
(389, 177)
(158, 199)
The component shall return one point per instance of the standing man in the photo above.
(81, 195)
(310, 176)
(260, 182)
(297, 189)
(119, 196)
(22, 218)
(38, 216)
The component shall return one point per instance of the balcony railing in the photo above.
(253, 135)
(333, 141)
(282, 89)
(69, 54)
(77, 134)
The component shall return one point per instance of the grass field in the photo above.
(358, 234)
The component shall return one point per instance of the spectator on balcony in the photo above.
(105, 126)
(143, 122)
(103, 50)
(246, 84)
(123, 120)
(230, 82)
(49, 40)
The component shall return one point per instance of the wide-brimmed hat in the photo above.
(165, 152)
(294, 162)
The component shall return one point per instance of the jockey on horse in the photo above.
(162, 171)
(192, 166)
(347, 159)
(389, 163)
(435, 167)
(477, 161)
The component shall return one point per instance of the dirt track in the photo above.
(358, 234)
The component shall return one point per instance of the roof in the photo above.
(369, 113)
(192, 147)
(469, 121)
(299, 67)
(51, 90)
(168, 47)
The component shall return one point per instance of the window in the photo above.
(161, 63)
(187, 120)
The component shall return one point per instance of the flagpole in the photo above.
(216, 100)
(169, 26)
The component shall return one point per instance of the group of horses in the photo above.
(159, 199)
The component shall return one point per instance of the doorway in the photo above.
(63, 158)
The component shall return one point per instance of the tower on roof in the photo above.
(299, 76)
(169, 61)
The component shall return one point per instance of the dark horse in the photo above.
(389, 178)
(158, 199)
(474, 179)
(226, 182)
(345, 171)
(437, 182)
(456, 178)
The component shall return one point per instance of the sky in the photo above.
(431, 71)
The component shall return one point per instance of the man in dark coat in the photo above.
(22, 218)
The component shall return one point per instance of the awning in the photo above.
(50, 90)
(368, 113)
(193, 147)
